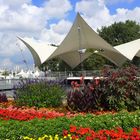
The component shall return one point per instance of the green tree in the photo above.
(121, 32)
(55, 64)
(94, 62)
(5, 73)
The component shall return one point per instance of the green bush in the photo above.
(39, 94)
(13, 130)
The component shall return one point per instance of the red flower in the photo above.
(97, 81)
(91, 87)
(82, 131)
(89, 138)
(65, 132)
(26, 114)
(72, 128)
(72, 83)
(104, 134)
(81, 79)
(74, 137)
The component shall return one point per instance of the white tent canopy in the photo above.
(82, 36)
(73, 58)
(40, 51)
(130, 49)
(22, 74)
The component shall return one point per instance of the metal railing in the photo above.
(65, 74)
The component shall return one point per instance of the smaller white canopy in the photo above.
(36, 74)
(30, 74)
(22, 74)
(39, 73)
(40, 50)
(130, 49)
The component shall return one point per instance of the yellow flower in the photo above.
(43, 138)
(50, 137)
(68, 136)
(56, 137)
(28, 138)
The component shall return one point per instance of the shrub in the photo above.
(3, 98)
(39, 93)
(118, 90)
(122, 89)
(85, 97)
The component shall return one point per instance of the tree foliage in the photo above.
(121, 32)
(55, 64)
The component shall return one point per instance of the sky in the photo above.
(50, 20)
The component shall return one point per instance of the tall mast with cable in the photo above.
(80, 48)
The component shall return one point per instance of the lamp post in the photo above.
(80, 48)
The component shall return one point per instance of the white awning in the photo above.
(73, 58)
(130, 49)
(82, 36)
(40, 51)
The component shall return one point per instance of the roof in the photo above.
(82, 36)
(42, 51)
(39, 51)
(130, 49)
(73, 58)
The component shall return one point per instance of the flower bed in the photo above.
(75, 133)
(38, 127)
(57, 122)
(26, 114)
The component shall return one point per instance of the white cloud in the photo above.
(51, 37)
(56, 33)
(26, 18)
(87, 7)
(57, 9)
(14, 3)
(97, 14)
(62, 27)
(6, 63)
(94, 12)
(125, 14)
(8, 45)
